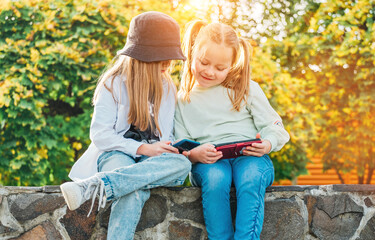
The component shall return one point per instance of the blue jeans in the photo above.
(251, 176)
(128, 182)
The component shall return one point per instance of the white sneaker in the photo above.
(76, 193)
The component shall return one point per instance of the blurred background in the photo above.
(314, 60)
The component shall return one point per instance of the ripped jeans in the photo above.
(128, 182)
(251, 176)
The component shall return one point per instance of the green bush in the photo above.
(51, 53)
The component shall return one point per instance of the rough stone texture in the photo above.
(154, 212)
(77, 224)
(100, 234)
(295, 188)
(281, 215)
(8, 225)
(369, 231)
(29, 206)
(44, 231)
(191, 210)
(104, 214)
(5, 229)
(368, 202)
(302, 212)
(333, 217)
(179, 230)
(363, 188)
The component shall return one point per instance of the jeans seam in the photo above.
(200, 178)
(175, 182)
(260, 187)
(270, 161)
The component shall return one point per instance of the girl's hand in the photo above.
(258, 149)
(156, 149)
(205, 153)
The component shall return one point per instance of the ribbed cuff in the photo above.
(109, 194)
(273, 141)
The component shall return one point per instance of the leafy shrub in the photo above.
(51, 53)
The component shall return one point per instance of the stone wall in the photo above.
(292, 212)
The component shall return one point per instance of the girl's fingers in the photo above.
(256, 148)
(213, 154)
(170, 148)
(257, 145)
(252, 153)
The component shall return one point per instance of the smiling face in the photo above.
(212, 64)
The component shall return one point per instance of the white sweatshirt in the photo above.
(209, 118)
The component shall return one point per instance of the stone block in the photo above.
(154, 212)
(293, 188)
(333, 217)
(76, 222)
(360, 188)
(368, 202)
(180, 230)
(190, 210)
(104, 215)
(29, 206)
(368, 231)
(283, 220)
(44, 231)
(6, 230)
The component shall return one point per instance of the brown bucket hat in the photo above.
(153, 36)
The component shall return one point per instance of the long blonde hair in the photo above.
(197, 34)
(144, 83)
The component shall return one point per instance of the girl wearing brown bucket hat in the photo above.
(131, 128)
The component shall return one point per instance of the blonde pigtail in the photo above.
(244, 83)
(238, 79)
(187, 80)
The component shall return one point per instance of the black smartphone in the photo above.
(185, 145)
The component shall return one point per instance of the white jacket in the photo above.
(109, 123)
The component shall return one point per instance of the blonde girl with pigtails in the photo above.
(217, 103)
(132, 128)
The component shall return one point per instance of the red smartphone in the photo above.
(234, 149)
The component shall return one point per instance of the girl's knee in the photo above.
(181, 163)
(184, 162)
(255, 180)
(216, 180)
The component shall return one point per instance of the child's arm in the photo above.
(266, 120)
(156, 149)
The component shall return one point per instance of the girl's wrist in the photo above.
(143, 149)
(190, 156)
(269, 146)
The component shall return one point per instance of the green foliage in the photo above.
(51, 53)
(331, 47)
(282, 91)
